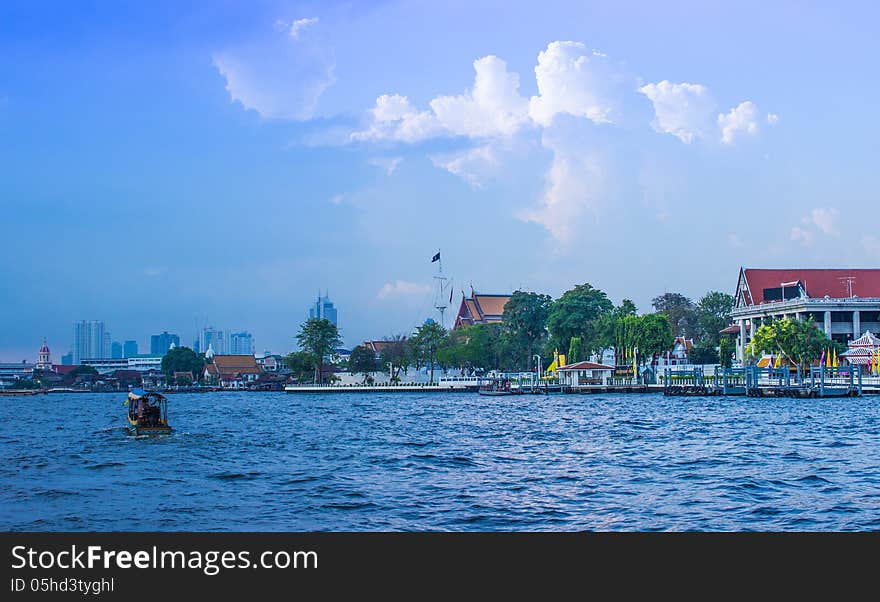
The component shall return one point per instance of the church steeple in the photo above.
(44, 357)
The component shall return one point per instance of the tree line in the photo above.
(582, 323)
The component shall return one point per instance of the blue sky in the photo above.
(167, 165)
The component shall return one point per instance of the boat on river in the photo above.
(499, 385)
(147, 413)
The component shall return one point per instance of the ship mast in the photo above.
(442, 285)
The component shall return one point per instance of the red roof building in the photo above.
(583, 374)
(480, 309)
(842, 302)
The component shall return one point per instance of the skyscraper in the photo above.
(129, 349)
(216, 339)
(116, 350)
(323, 309)
(241, 343)
(159, 343)
(88, 340)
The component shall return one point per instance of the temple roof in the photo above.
(866, 340)
(481, 308)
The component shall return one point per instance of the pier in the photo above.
(751, 381)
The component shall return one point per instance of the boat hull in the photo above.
(136, 429)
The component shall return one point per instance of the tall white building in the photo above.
(216, 339)
(241, 343)
(89, 340)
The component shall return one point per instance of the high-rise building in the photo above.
(214, 338)
(67, 359)
(323, 309)
(106, 345)
(116, 350)
(160, 343)
(129, 349)
(88, 340)
(241, 343)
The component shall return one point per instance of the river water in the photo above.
(282, 462)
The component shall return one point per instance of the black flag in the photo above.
(436, 257)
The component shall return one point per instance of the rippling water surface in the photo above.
(280, 462)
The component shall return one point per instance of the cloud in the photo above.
(772, 118)
(474, 165)
(493, 107)
(576, 87)
(820, 220)
(279, 76)
(682, 110)
(299, 25)
(803, 235)
(402, 288)
(826, 220)
(394, 118)
(337, 199)
(574, 186)
(742, 119)
(573, 80)
(388, 164)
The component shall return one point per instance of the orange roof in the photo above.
(234, 361)
(481, 309)
(492, 304)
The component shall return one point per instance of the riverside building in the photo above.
(844, 303)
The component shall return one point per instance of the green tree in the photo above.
(525, 321)
(320, 338)
(575, 314)
(82, 370)
(362, 361)
(182, 359)
(653, 335)
(428, 338)
(713, 315)
(726, 349)
(607, 326)
(575, 348)
(703, 352)
(396, 354)
(798, 340)
(300, 363)
(680, 310)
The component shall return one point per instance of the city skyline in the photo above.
(574, 144)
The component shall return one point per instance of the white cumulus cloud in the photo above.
(279, 76)
(574, 80)
(683, 110)
(742, 119)
(473, 165)
(574, 186)
(493, 107)
(402, 288)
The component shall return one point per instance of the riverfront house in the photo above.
(232, 371)
(582, 374)
(843, 302)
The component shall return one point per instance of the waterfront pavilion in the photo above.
(843, 302)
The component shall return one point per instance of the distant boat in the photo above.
(147, 413)
(497, 386)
